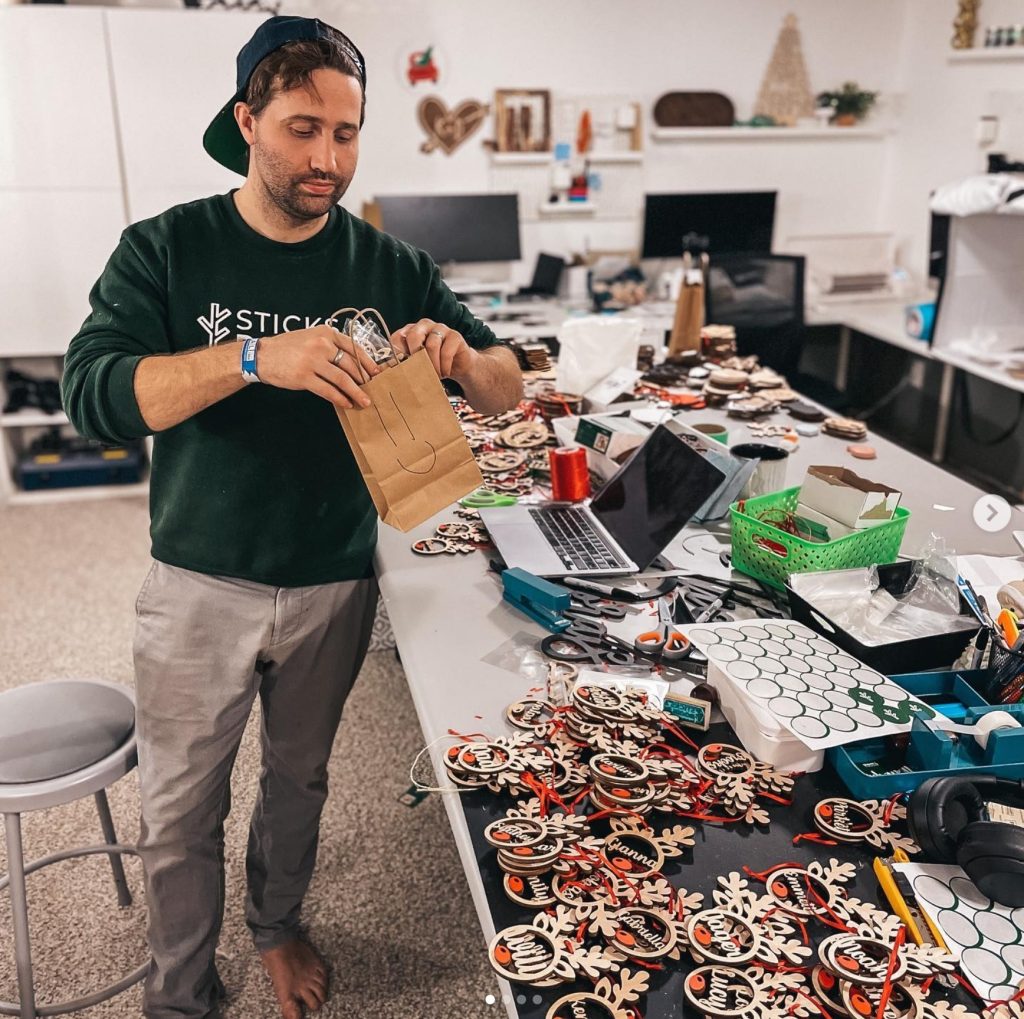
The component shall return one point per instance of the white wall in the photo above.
(942, 100)
(173, 68)
(640, 50)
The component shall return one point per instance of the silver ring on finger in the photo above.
(436, 332)
(336, 360)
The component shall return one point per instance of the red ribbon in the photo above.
(890, 807)
(813, 836)
(883, 1001)
(765, 874)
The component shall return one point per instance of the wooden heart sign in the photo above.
(448, 129)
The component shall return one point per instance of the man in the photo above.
(262, 529)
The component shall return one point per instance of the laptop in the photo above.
(626, 526)
(547, 274)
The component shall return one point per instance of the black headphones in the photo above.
(948, 820)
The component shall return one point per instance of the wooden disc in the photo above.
(862, 452)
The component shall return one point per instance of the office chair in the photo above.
(762, 295)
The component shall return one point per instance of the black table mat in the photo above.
(719, 849)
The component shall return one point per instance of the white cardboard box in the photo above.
(841, 494)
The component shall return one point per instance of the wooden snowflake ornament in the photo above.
(636, 850)
(738, 779)
(867, 821)
(609, 999)
(545, 953)
(748, 993)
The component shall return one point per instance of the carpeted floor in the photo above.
(388, 906)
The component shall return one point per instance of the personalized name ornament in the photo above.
(816, 891)
(637, 851)
(644, 933)
(609, 999)
(738, 779)
(871, 961)
(532, 715)
(751, 993)
(866, 821)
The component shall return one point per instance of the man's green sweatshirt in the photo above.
(261, 485)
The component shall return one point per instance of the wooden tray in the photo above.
(694, 109)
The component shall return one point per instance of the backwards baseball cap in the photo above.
(222, 139)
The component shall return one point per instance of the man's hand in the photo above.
(449, 353)
(320, 360)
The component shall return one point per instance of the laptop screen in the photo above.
(654, 495)
(547, 274)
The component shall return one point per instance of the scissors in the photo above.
(665, 641)
(587, 640)
(484, 498)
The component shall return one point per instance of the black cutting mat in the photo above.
(719, 849)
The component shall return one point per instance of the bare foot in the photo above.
(298, 975)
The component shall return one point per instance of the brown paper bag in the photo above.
(689, 315)
(409, 445)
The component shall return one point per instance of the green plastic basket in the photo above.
(763, 551)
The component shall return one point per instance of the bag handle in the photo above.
(363, 314)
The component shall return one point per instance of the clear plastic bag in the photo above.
(855, 601)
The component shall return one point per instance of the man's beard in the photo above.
(284, 191)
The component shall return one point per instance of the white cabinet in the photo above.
(56, 111)
(20, 428)
(172, 70)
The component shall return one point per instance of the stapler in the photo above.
(541, 600)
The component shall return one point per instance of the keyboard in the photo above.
(570, 533)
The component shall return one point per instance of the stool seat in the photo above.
(57, 728)
(60, 741)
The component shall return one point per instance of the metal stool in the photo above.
(60, 741)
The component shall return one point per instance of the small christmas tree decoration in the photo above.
(785, 94)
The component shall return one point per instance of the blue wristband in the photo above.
(249, 359)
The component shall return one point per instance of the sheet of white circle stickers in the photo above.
(824, 696)
(987, 937)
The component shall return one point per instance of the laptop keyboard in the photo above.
(571, 534)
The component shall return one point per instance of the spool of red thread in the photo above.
(570, 477)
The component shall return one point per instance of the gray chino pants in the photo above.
(205, 647)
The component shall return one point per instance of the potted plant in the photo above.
(849, 105)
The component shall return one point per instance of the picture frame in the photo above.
(522, 120)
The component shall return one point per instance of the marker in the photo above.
(980, 643)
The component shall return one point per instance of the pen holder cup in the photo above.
(1006, 669)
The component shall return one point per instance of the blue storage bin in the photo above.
(873, 770)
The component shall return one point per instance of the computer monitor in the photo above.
(455, 228)
(718, 222)
(762, 295)
(755, 290)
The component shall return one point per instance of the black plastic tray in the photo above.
(938, 651)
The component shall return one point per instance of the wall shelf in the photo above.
(764, 134)
(986, 53)
(22, 498)
(615, 157)
(32, 419)
(567, 208)
(521, 158)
